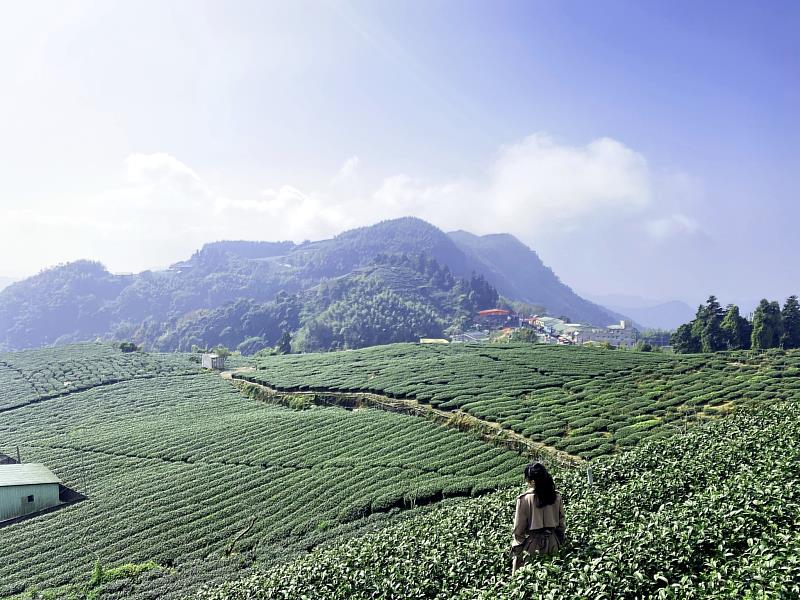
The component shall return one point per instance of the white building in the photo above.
(213, 361)
(26, 489)
(621, 334)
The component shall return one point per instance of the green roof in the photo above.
(26, 474)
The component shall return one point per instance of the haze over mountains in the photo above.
(657, 314)
(394, 281)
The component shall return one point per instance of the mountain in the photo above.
(518, 273)
(650, 313)
(394, 281)
(5, 282)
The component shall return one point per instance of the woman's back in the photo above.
(539, 517)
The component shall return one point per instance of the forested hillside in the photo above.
(395, 281)
(518, 273)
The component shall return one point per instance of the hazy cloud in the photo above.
(537, 189)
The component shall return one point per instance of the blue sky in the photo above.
(640, 147)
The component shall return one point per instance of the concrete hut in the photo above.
(213, 361)
(26, 489)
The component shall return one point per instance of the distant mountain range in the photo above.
(394, 281)
(655, 314)
(5, 282)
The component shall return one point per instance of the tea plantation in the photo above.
(195, 489)
(185, 471)
(585, 401)
(34, 375)
(713, 513)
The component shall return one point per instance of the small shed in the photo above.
(213, 361)
(25, 489)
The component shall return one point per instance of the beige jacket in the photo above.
(528, 516)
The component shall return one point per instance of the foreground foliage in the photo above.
(712, 513)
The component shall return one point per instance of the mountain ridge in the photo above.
(403, 277)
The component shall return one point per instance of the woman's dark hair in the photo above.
(545, 488)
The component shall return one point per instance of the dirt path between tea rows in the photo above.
(488, 431)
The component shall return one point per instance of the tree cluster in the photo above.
(715, 328)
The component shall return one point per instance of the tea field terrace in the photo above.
(587, 402)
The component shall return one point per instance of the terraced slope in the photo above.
(712, 513)
(194, 483)
(36, 375)
(585, 401)
(183, 470)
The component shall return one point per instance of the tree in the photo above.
(791, 323)
(767, 326)
(285, 343)
(252, 345)
(525, 335)
(735, 329)
(697, 328)
(711, 338)
(222, 351)
(683, 341)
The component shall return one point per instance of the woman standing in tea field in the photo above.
(539, 517)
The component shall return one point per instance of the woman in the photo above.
(539, 518)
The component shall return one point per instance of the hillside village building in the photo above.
(548, 330)
(26, 489)
(616, 335)
(551, 330)
(473, 336)
(494, 317)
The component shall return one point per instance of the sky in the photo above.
(641, 148)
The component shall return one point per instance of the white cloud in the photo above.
(161, 168)
(401, 195)
(672, 225)
(566, 183)
(537, 189)
(348, 173)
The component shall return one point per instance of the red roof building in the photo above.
(494, 312)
